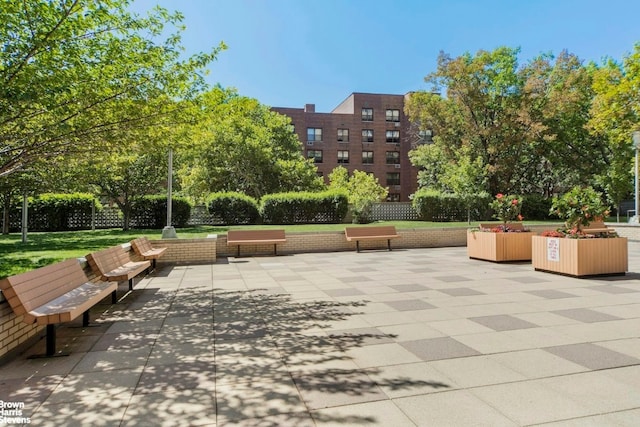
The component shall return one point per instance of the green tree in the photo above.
(74, 71)
(481, 110)
(362, 189)
(238, 144)
(614, 115)
(466, 178)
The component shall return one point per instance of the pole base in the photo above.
(169, 233)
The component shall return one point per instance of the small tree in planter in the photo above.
(505, 242)
(507, 209)
(574, 251)
(579, 207)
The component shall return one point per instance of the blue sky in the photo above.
(288, 53)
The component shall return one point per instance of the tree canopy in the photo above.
(541, 127)
(72, 72)
(238, 144)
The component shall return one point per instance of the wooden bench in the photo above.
(142, 246)
(517, 226)
(387, 232)
(113, 265)
(596, 227)
(54, 294)
(255, 237)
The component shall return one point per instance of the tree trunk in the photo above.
(5, 212)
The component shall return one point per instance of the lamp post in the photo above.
(168, 232)
(636, 146)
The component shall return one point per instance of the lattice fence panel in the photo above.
(394, 212)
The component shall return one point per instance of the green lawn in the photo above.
(46, 248)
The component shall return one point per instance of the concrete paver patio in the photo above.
(403, 338)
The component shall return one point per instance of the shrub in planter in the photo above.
(578, 207)
(151, 212)
(233, 208)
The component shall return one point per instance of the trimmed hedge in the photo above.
(151, 212)
(304, 207)
(233, 208)
(59, 212)
(433, 205)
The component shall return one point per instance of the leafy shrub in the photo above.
(579, 206)
(233, 208)
(536, 207)
(433, 205)
(60, 212)
(151, 212)
(304, 207)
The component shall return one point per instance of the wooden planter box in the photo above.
(499, 246)
(580, 257)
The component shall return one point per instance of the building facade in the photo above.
(368, 132)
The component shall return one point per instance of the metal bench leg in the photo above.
(131, 284)
(389, 244)
(275, 249)
(50, 345)
(238, 252)
(85, 318)
(51, 340)
(114, 298)
(357, 245)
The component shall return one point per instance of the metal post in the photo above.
(25, 217)
(636, 145)
(169, 232)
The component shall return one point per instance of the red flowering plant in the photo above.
(579, 207)
(507, 209)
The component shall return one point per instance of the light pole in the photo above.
(168, 232)
(636, 145)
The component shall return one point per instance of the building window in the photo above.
(393, 157)
(367, 157)
(367, 135)
(314, 134)
(393, 197)
(393, 136)
(367, 114)
(343, 156)
(392, 115)
(316, 155)
(343, 135)
(425, 136)
(393, 178)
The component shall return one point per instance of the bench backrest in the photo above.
(512, 225)
(141, 245)
(108, 259)
(381, 230)
(236, 235)
(594, 225)
(34, 288)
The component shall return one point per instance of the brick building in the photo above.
(367, 132)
